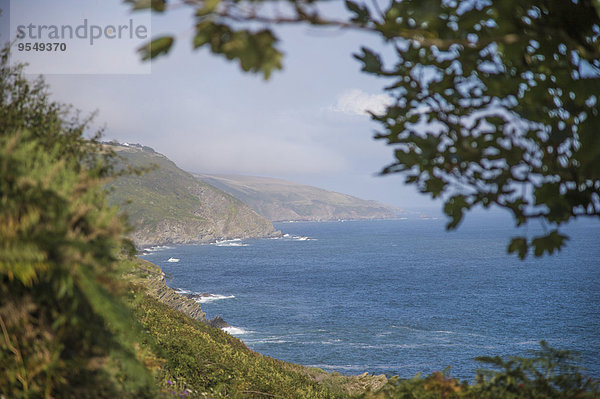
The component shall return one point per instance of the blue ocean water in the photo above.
(398, 297)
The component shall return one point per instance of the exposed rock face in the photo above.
(153, 280)
(157, 287)
(218, 322)
(191, 231)
(154, 283)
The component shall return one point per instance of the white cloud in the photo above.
(357, 102)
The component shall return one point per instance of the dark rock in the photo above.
(158, 288)
(218, 322)
(198, 296)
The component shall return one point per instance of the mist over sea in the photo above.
(399, 296)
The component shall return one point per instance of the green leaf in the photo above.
(362, 14)
(156, 47)
(208, 6)
(255, 50)
(155, 5)
(554, 241)
(454, 208)
(518, 245)
(371, 61)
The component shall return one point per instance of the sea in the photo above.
(398, 297)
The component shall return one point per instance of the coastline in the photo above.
(155, 284)
(193, 345)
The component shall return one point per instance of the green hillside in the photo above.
(281, 200)
(168, 205)
(192, 359)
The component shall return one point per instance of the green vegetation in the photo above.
(156, 194)
(496, 106)
(549, 373)
(280, 200)
(168, 205)
(64, 331)
(494, 103)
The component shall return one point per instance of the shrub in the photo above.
(63, 330)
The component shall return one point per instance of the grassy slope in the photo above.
(279, 200)
(170, 205)
(193, 359)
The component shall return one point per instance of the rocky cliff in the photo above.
(153, 281)
(169, 206)
(281, 200)
(157, 287)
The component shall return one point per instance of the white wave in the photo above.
(153, 249)
(361, 367)
(157, 248)
(531, 342)
(205, 298)
(347, 367)
(298, 238)
(268, 341)
(332, 342)
(235, 330)
(235, 242)
(407, 328)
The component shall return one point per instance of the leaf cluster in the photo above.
(64, 330)
(548, 373)
(496, 104)
(255, 49)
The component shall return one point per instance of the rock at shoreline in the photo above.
(218, 322)
(198, 296)
(189, 304)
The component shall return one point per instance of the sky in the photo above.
(306, 124)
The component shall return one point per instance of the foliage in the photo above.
(435, 386)
(202, 361)
(256, 50)
(550, 373)
(64, 333)
(495, 103)
(26, 106)
(161, 193)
